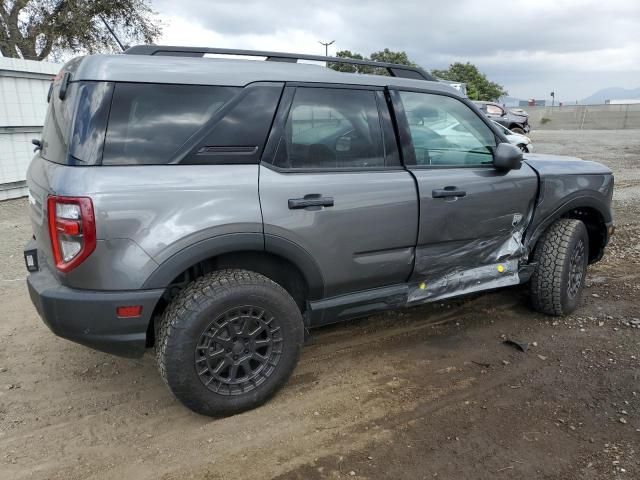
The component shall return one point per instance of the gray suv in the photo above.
(516, 122)
(217, 209)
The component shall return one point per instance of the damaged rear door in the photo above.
(472, 216)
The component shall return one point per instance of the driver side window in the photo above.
(332, 128)
(446, 132)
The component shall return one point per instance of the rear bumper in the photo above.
(89, 317)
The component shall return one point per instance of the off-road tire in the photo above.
(188, 319)
(517, 130)
(550, 288)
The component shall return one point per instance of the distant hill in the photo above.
(612, 93)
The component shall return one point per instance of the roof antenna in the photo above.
(112, 32)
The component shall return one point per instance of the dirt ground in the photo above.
(428, 392)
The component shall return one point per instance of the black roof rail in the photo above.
(394, 70)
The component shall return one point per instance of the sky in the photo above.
(532, 47)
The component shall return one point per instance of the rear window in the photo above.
(82, 146)
(150, 122)
(55, 134)
(90, 123)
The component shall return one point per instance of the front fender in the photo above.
(544, 217)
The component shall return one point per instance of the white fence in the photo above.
(23, 105)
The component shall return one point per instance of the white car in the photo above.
(521, 141)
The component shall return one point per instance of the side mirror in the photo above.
(507, 157)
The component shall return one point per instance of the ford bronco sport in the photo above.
(216, 209)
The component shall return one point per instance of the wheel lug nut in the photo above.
(235, 357)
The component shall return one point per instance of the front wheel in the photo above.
(228, 342)
(517, 130)
(561, 256)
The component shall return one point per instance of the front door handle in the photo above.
(449, 191)
(311, 200)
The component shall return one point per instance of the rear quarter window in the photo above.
(149, 123)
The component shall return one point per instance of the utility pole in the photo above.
(326, 46)
(553, 98)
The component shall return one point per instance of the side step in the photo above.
(359, 304)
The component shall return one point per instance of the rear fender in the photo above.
(171, 268)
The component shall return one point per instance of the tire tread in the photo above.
(552, 250)
(190, 300)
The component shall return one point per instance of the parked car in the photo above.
(521, 141)
(217, 209)
(516, 122)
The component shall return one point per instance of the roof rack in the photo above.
(394, 70)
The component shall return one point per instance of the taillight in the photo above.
(72, 228)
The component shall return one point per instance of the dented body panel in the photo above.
(568, 184)
(483, 240)
(472, 242)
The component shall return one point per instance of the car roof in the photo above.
(227, 72)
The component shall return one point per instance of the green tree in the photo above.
(36, 29)
(478, 86)
(385, 56)
(346, 67)
(389, 56)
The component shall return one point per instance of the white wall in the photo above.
(633, 101)
(23, 105)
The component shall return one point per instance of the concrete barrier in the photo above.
(23, 106)
(585, 117)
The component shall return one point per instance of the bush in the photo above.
(544, 120)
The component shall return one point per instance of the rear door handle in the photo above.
(311, 200)
(449, 191)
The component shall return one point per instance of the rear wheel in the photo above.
(228, 342)
(561, 256)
